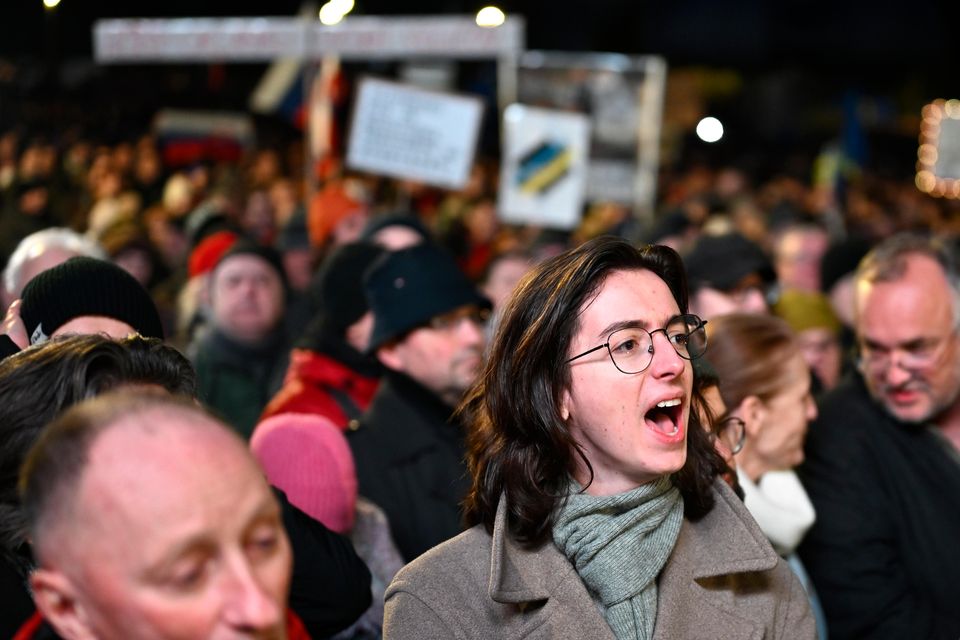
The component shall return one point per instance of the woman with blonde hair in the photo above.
(765, 383)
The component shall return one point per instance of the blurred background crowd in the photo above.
(295, 286)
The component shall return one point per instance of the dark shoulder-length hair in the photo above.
(519, 446)
(40, 382)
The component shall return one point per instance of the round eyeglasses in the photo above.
(732, 430)
(631, 348)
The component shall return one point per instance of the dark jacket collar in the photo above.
(224, 348)
(407, 417)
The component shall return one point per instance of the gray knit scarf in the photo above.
(618, 545)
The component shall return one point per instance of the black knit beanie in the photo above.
(338, 286)
(84, 286)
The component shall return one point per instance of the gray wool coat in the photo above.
(723, 580)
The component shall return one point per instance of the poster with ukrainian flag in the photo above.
(544, 166)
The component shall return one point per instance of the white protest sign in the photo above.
(544, 166)
(411, 133)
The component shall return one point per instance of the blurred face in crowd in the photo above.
(350, 228)
(395, 237)
(34, 201)
(503, 278)
(747, 297)
(358, 334)
(283, 199)
(843, 300)
(181, 541)
(906, 330)
(821, 350)
(298, 265)
(136, 262)
(776, 428)
(247, 297)
(797, 258)
(444, 355)
(632, 427)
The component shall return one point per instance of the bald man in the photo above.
(150, 519)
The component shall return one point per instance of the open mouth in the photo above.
(665, 417)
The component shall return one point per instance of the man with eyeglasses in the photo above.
(883, 459)
(428, 332)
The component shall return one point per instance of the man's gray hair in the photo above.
(36, 243)
(887, 262)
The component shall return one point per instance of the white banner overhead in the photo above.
(198, 39)
(385, 38)
(252, 39)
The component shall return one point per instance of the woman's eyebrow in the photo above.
(622, 324)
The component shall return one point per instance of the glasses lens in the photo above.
(688, 336)
(631, 350)
(732, 433)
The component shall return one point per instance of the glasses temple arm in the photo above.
(588, 352)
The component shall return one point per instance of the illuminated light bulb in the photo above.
(51, 4)
(952, 109)
(490, 17)
(930, 130)
(343, 6)
(709, 129)
(928, 154)
(330, 15)
(925, 181)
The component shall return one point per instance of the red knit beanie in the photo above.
(208, 252)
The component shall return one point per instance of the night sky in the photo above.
(796, 61)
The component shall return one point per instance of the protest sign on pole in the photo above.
(623, 98)
(415, 134)
(543, 168)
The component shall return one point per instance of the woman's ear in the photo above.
(565, 405)
(753, 412)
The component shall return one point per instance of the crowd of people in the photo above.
(230, 405)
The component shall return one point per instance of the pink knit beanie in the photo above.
(308, 458)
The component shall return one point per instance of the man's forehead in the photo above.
(916, 305)
(243, 263)
(148, 484)
(922, 279)
(157, 443)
